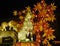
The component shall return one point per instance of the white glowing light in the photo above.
(27, 25)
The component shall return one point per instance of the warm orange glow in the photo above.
(36, 21)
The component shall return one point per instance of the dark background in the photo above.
(7, 7)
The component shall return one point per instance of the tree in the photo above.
(37, 21)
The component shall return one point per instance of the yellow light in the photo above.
(15, 13)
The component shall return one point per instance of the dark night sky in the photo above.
(7, 7)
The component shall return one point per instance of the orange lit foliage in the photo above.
(42, 14)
